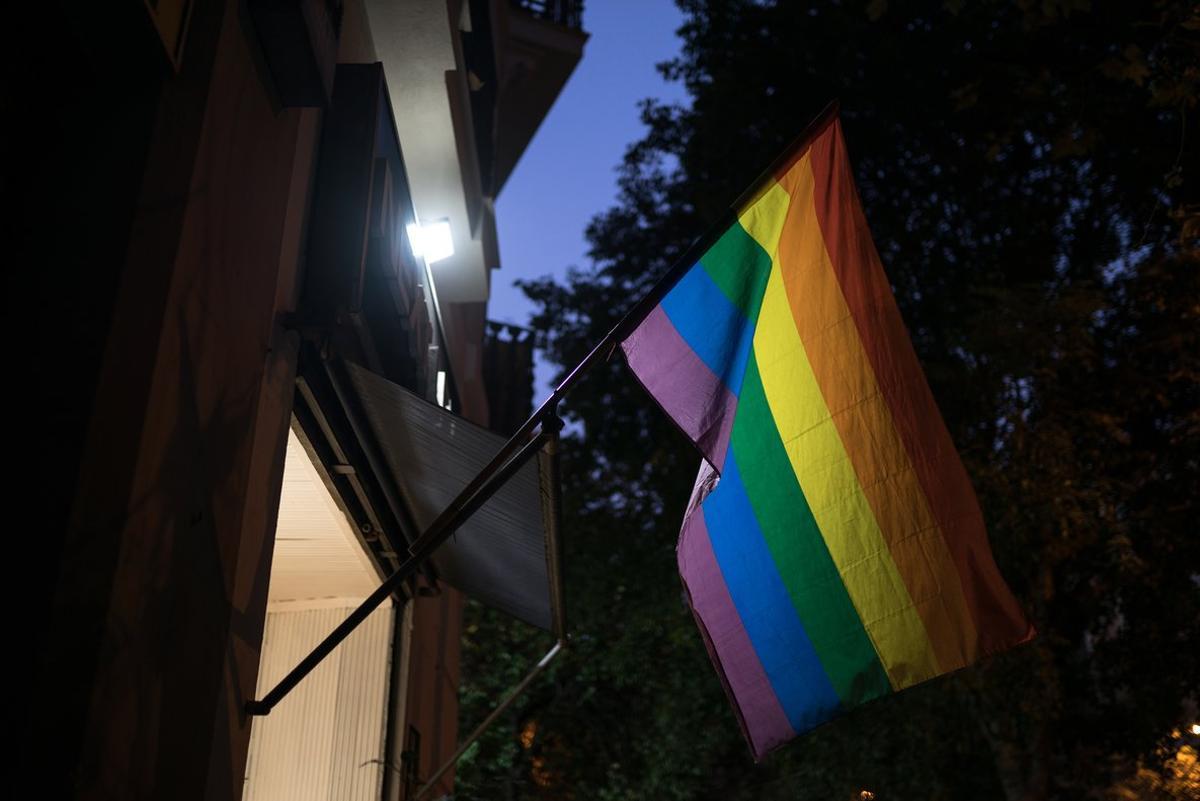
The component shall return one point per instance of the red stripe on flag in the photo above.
(898, 372)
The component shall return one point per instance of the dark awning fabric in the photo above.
(499, 556)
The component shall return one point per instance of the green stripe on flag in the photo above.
(799, 551)
(739, 267)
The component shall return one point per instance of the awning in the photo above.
(505, 555)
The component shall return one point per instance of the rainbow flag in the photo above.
(834, 550)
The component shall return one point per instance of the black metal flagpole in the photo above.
(524, 443)
(421, 549)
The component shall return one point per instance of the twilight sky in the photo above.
(568, 172)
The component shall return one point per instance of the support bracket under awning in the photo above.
(512, 696)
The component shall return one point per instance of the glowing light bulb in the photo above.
(432, 240)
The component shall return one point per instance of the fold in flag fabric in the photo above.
(833, 551)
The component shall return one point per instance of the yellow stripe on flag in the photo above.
(825, 474)
(861, 414)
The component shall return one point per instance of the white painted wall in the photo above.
(316, 553)
(325, 740)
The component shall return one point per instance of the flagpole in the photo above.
(504, 464)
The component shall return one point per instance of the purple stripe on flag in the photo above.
(762, 716)
(688, 390)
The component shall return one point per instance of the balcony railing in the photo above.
(568, 13)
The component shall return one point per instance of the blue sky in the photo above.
(568, 172)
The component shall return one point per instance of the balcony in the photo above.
(538, 44)
(568, 13)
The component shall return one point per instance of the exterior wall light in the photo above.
(442, 400)
(431, 240)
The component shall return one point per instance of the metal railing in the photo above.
(568, 13)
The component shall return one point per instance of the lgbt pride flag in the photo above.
(834, 550)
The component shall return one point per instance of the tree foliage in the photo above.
(1029, 174)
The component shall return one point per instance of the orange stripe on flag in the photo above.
(868, 300)
(864, 421)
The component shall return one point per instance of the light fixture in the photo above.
(431, 240)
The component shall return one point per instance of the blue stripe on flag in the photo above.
(711, 325)
(763, 603)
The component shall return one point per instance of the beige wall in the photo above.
(325, 740)
(464, 333)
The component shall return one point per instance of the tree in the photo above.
(1025, 171)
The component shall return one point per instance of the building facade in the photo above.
(243, 182)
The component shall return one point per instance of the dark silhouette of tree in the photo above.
(1028, 170)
